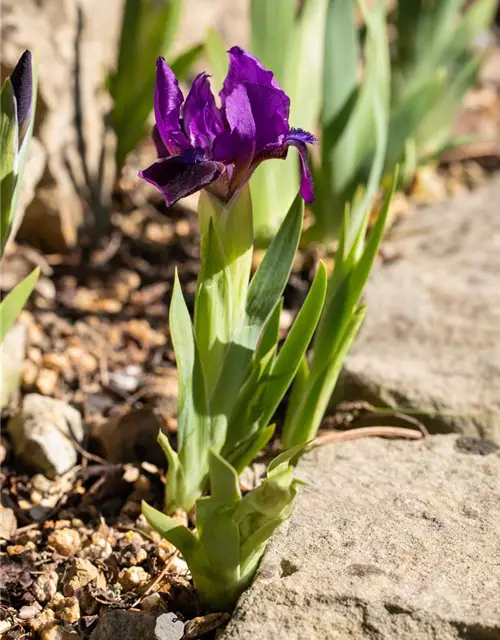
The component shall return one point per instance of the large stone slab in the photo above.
(431, 339)
(392, 540)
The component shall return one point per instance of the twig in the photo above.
(367, 432)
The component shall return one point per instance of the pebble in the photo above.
(81, 359)
(141, 331)
(66, 609)
(8, 523)
(65, 541)
(81, 573)
(29, 373)
(46, 381)
(55, 361)
(182, 228)
(29, 611)
(128, 380)
(45, 587)
(41, 620)
(15, 549)
(53, 631)
(40, 433)
(5, 626)
(99, 549)
(153, 603)
(124, 625)
(131, 473)
(169, 627)
(178, 565)
(247, 479)
(133, 578)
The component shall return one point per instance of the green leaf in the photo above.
(176, 486)
(302, 426)
(425, 30)
(341, 59)
(148, 30)
(213, 305)
(12, 304)
(219, 61)
(217, 529)
(435, 127)
(245, 421)
(292, 351)
(408, 115)
(272, 275)
(338, 326)
(284, 459)
(234, 229)
(250, 449)
(193, 423)
(264, 292)
(176, 533)
(477, 18)
(224, 484)
(299, 387)
(357, 130)
(271, 29)
(8, 160)
(253, 548)
(304, 65)
(270, 335)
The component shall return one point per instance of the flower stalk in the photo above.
(231, 375)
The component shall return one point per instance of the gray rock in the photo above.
(169, 627)
(42, 431)
(391, 539)
(431, 339)
(125, 626)
(12, 352)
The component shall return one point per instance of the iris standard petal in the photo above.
(237, 146)
(167, 106)
(299, 139)
(270, 109)
(243, 67)
(202, 119)
(176, 178)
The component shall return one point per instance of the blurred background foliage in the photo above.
(380, 82)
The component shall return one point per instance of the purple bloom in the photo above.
(22, 84)
(219, 148)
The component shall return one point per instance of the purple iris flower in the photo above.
(219, 148)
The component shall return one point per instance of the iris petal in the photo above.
(298, 139)
(202, 119)
(167, 106)
(237, 146)
(176, 178)
(22, 84)
(269, 103)
(270, 109)
(243, 67)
